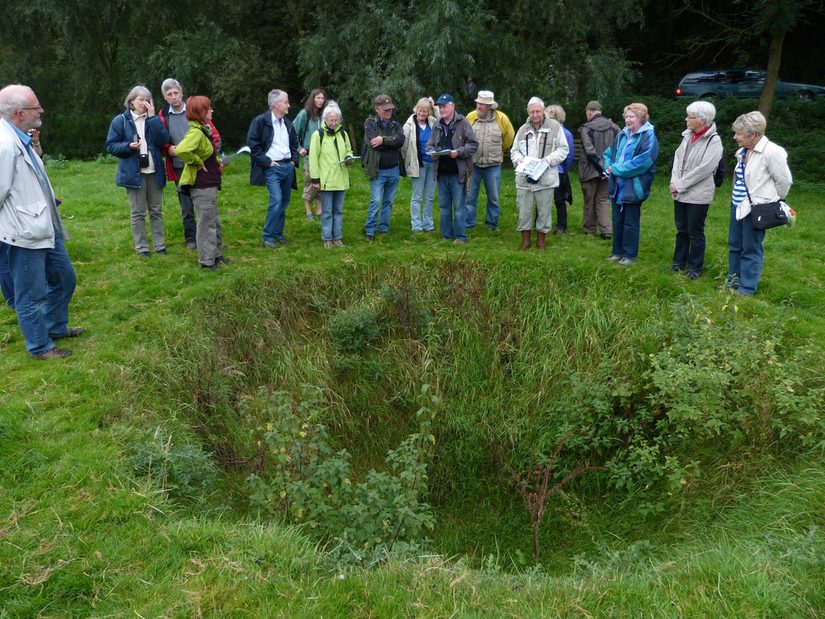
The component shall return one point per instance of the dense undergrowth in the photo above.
(654, 400)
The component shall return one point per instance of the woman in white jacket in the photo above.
(419, 165)
(761, 176)
(692, 186)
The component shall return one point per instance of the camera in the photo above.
(144, 160)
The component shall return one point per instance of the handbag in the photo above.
(767, 215)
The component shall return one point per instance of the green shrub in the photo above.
(304, 481)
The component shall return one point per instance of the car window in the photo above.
(735, 77)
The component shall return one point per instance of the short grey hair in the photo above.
(533, 101)
(13, 98)
(138, 91)
(704, 110)
(168, 84)
(556, 112)
(331, 107)
(273, 96)
(753, 123)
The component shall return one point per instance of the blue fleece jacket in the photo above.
(632, 163)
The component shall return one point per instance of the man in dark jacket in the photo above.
(383, 138)
(455, 142)
(273, 146)
(597, 135)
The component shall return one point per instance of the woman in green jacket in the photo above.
(329, 152)
(201, 177)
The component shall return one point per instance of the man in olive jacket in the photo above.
(383, 139)
(597, 134)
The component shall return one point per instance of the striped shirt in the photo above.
(739, 190)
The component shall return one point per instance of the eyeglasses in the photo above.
(36, 107)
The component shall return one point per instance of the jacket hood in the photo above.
(645, 127)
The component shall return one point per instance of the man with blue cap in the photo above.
(453, 142)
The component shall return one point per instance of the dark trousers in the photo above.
(626, 227)
(690, 235)
(562, 193)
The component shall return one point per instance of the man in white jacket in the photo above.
(31, 234)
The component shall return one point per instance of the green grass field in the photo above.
(517, 345)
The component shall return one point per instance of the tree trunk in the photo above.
(772, 74)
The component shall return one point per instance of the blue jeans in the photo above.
(332, 215)
(690, 235)
(423, 188)
(491, 176)
(6, 282)
(626, 227)
(44, 281)
(279, 184)
(745, 254)
(451, 204)
(382, 193)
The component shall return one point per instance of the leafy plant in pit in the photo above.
(534, 485)
(302, 479)
(355, 331)
(178, 466)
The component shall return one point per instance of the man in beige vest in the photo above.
(495, 135)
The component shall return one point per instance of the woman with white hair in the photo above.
(692, 186)
(761, 176)
(135, 137)
(330, 151)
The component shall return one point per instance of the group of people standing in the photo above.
(183, 134)
(435, 146)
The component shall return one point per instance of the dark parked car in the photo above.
(740, 83)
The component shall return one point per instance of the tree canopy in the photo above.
(82, 57)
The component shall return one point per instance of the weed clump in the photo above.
(173, 464)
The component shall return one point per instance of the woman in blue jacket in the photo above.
(630, 164)
(135, 137)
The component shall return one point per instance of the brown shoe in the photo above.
(54, 353)
(73, 332)
(539, 240)
(525, 239)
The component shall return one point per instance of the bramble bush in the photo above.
(304, 481)
(716, 387)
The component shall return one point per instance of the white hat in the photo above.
(487, 97)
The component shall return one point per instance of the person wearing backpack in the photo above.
(692, 186)
(597, 134)
(306, 123)
(330, 152)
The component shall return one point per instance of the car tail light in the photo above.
(678, 91)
